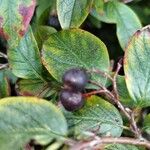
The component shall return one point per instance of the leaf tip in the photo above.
(26, 12)
(144, 29)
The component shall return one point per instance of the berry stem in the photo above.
(93, 93)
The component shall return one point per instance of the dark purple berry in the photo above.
(53, 21)
(71, 100)
(75, 78)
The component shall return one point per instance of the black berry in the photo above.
(71, 100)
(75, 78)
(53, 21)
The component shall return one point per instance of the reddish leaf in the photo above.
(15, 17)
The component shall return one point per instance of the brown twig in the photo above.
(115, 89)
(98, 141)
(115, 80)
(114, 97)
(110, 95)
(129, 115)
(107, 92)
(122, 108)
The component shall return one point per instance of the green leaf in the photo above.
(25, 59)
(120, 14)
(123, 92)
(97, 115)
(72, 13)
(121, 147)
(43, 6)
(98, 5)
(29, 118)
(45, 32)
(4, 85)
(74, 48)
(42, 34)
(11, 77)
(15, 17)
(146, 127)
(136, 67)
(55, 146)
(34, 88)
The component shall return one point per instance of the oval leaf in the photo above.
(74, 48)
(97, 115)
(136, 67)
(72, 13)
(14, 19)
(25, 59)
(28, 118)
(126, 20)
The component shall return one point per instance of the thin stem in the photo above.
(114, 97)
(98, 141)
(3, 55)
(107, 92)
(129, 115)
(93, 93)
(104, 74)
(121, 107)
(111, 96)
(115, 80)
(2, 66)
(95, 83)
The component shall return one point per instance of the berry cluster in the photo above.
(74, 81)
